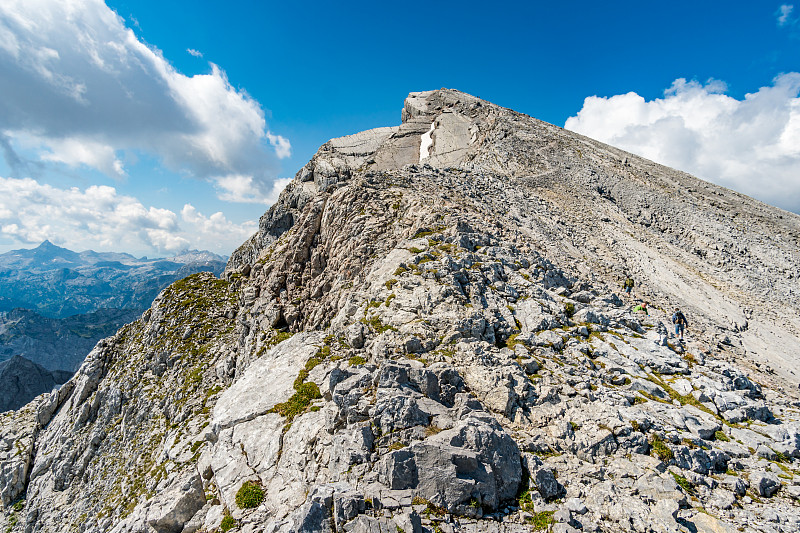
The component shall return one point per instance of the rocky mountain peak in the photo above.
(429, 332)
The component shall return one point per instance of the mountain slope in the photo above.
(424, 335)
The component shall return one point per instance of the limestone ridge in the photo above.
(730, 260)
(425, 335)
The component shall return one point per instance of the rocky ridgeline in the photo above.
(428, 346)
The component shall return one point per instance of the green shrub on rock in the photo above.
(249, 495)
(228, 523)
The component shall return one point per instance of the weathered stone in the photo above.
(765, 483)
(546, 483)
(439, 337)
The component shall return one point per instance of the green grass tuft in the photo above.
(660, 448)
(249, 495)
(227, 523)
(683, 483)
(356, 360)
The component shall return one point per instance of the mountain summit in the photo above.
(429, 333)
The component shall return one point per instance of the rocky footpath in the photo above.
(419, 340)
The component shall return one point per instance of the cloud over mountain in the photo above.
(79, 88)
(750, 145)
(31, 212)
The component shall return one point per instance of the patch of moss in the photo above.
(569, 309)
(228, 523)
(512, 341)
(541, 521)
(277, 338)
(683, 483)
(424, 232)
(375, 323)
(356, 360)
(302, 398)
(719, 435)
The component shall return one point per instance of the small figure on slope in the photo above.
(680, 323)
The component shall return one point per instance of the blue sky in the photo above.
(150, 127)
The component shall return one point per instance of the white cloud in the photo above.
(283, 148)
(195, 53)
(98, 218)
(238, 188)
(83, 90)
(783, 14)
(750, 145)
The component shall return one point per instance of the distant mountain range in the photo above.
(58, 343)
(55, 304)
(57, 282)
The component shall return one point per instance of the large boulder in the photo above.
(476, 461)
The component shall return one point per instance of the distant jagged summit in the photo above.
(429, 333)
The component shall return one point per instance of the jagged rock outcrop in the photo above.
(425, 335)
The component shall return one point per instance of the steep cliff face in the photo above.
(427, 334)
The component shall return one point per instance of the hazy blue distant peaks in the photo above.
(58, 282)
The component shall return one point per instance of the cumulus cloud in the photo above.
(80, 89)
(750, 145)
(99, 218)
(238, 188)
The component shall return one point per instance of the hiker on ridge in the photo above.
(680, 323)
(628, 285)
(641, 307)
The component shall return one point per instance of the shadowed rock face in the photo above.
(428, 324)
(57, 344)
(22, 380)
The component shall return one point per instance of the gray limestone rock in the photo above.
(765, 483)
(546, 483)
